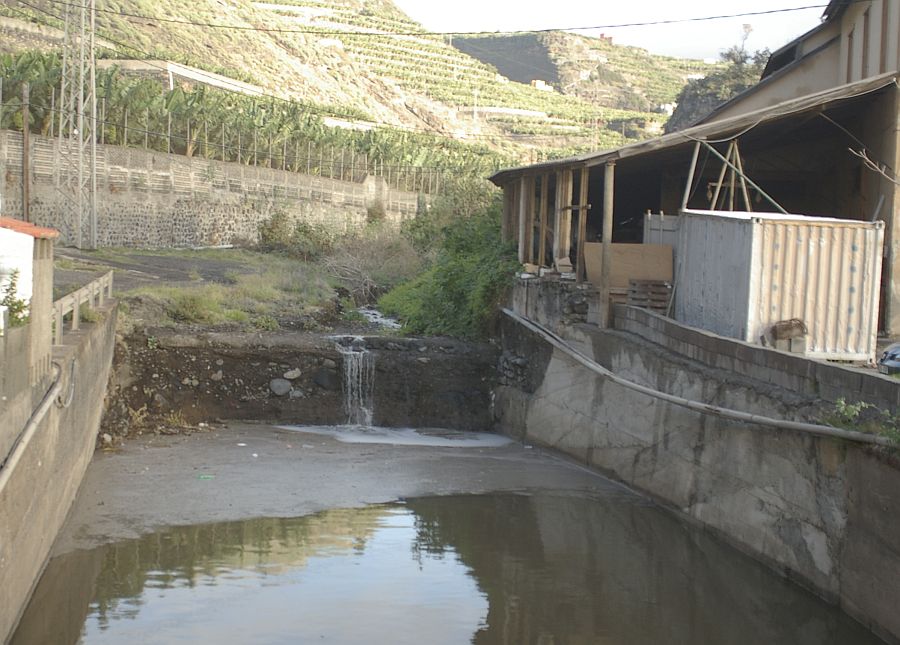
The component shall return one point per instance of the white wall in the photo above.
(17, 252)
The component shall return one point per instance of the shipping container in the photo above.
(737, 274)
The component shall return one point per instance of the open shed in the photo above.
(831, 154)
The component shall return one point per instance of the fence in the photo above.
(153, 199)
(203, 139)
(92, 294)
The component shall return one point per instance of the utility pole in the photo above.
(26, 162)
(78, 122)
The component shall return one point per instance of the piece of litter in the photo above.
(255, 455)
(306, 445)
(206, 476)
(527, 447)
(242, 444)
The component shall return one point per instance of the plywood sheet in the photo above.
(630, 262)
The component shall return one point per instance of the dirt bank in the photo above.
(170, 378)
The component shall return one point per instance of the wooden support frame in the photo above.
(562, 234)
(583, 209)
(542, 244)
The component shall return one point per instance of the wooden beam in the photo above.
(562, 237)
(606, 268)
(523, 219)
(583, 209)
(542, 245)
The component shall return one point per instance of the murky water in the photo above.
(503, 568)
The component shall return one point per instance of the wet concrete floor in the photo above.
(255, 534)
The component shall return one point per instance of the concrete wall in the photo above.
(42, 484)
(149, 199)
(821, 511)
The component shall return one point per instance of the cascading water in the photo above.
(359, 380)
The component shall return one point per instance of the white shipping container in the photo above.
(739, 273)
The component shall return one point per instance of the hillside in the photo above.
(368, 60)
(593, 69)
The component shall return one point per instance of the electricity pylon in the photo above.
(78, 122)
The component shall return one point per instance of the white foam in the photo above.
(374, 316)
(433, 437)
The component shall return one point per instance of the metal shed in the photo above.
(739, 273)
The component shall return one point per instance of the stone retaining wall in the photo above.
(155, 200)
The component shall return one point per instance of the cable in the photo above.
(240, 89)
(649, 23)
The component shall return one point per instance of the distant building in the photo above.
(856, 40)
(541, 85)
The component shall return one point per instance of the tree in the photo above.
(701, 96)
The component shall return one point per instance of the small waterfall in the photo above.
(359, 380)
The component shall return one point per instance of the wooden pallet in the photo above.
(650, 294)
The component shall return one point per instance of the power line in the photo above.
(240, 89)
(237, 87)
(322, 31)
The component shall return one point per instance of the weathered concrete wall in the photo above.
(821, 511)
(151, 200)
(203, 377)
(802, 376)
(42, 485)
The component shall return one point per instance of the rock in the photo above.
(293, 374)
(280, 386)
(327, 379)
(220, 362)
(297, 394)
(329, 364)
(423, 359)
(216, 376)
(106, 438)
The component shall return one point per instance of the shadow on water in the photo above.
(488, 569)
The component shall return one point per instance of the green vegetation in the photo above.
(460, 294)
(701, 96)
(863, 417)
(16, 308)
(266, 291)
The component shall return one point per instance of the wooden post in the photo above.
(169, 132)
(308, 155)
(522, 209)
(254, 146)
(284, 154)
(26, 144)
(102, 118)
(240, 157)
(562, 234)
(52, 107)
(606, 265)
(125, 129)
(147, 129)
(542, 244)
(223, 141)
(205, 139)
(582, 223)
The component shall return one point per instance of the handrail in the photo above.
(98, 290)
(705, 408)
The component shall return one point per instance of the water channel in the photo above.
(516, 564)
(501, 568)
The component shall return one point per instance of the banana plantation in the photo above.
(201, 121)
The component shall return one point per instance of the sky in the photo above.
(691, 40)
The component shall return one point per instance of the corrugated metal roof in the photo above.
(37, 232)
(717, 129)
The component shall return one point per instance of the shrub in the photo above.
(17, 308)
(373, 261)
(461, 293)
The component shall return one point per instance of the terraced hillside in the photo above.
(368, 59)
(594, 69)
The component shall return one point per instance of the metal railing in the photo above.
(92, 294)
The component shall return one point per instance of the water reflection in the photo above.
(489, 569)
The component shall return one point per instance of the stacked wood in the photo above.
(650, 294)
